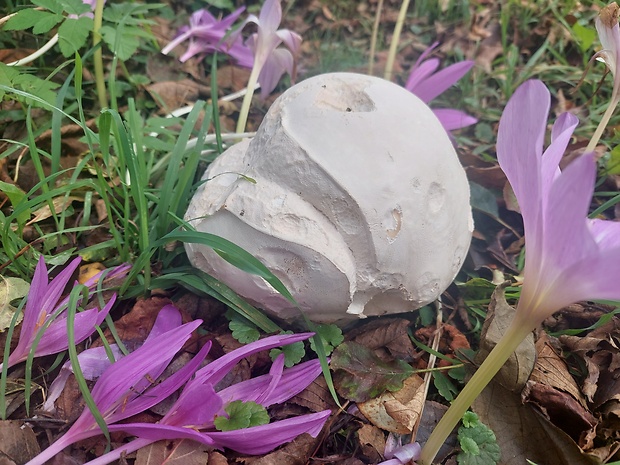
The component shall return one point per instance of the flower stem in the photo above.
(373, 39)
(247, 98)
(396, 39)
(516, 332)
(98, 56)
(613, 102)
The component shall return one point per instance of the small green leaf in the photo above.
(25, 19)
(585, 36)
(331, 336)
(478, 442)
(15, 195)
(243, 330)
(293, 353)
(52, 5)
(72, 34)
(613, 162)
(444, 386)
(242, 415)
(361, 375)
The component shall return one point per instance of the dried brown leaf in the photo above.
(18, 442)
(523, 433)
(515, 373)
(181, 452)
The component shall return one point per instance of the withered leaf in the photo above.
(182, 452)
(360, 375)
(524, 434)
(18, 442)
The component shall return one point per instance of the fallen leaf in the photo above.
(360, 375)
(386, 334)
(372, 441)
(524, 434)
(516, 371)
(18, 443)
(396, 412)
(297, 452)
(181, 452)
(60, 204)
(11, 289)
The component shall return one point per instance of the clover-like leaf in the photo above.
(242, 415)
(330, 335)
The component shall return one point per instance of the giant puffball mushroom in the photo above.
(360, 205)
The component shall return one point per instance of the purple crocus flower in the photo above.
(44, 311)
(427, 83)
(568, 257)
(206, 35)
(126, 387)
(94, 361)
(270, 60)
(199, 404)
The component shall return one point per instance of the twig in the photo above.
(373, 38)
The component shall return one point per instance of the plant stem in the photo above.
(395, 39)
(516, 332)
(247, 98)
(98, 56)
(33, 56)
(604, 120)
(373, 39)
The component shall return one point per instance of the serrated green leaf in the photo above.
(47, 23)
(52, 5)
(361, 375)
(293, 353)
(242, 415)
(478, 443)
(72, 34)
(129, 13)
(75, 7)
(25, 19)
(331, 336)
(470, 419)
(33, 85)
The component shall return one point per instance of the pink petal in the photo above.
(279, 61)
(270, 16)
(439, 82)
(453, 119)
(567, 237)
(195, 408)
(560, 137)
(216, 370)
(519, 149)
(419, 73)
(262, 439)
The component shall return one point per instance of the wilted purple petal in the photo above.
(215, 371)
(262, 439)
(292, 382)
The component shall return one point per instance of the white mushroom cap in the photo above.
(360, 205)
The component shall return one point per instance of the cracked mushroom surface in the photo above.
(360, 205)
